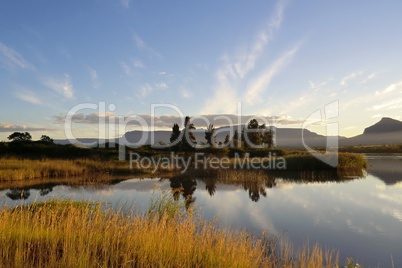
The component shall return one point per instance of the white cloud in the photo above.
(186, 94)
(145, 89)
(4, 127)
(142, 45)
(388, 105)
(62, 86)
(391, 88)
(161, 85)
(126, 68)
(377, 116)
(349, 77)
(28, 96)
(317, 86)
(125, 3)
(94, 77)
(13, 59)
(166, 121)
(138, 64)
(232, 72)
(370, 77)
(262, 82)
(247, 61)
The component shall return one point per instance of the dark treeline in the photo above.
(255, 139)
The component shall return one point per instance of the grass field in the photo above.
(75, 234)
(16, 169)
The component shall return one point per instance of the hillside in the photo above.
(386, 131)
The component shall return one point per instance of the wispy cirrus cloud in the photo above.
(391, 88)
(5, 127)
(388, 105)
(143, 46)
(126, 69)
(234, 69)
(166, 121)
(246, 61)
(94, 77)
(344, 81)
(28, 96)
(62, 86)
(125, 3)
(146, 88)
(261, 83)
(138, 64)
(12, 59)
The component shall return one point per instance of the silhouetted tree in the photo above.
(210, 135)
(268, 137)
(174, 137)
(188, 140)
(257, 135)
(46, 139)
(252, 133)
(237, 139)
(20, 137)
(227, 139)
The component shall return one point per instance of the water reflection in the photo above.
(387, 168)
(254, 182)
(359, 214)
(185, 186)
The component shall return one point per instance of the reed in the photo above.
(13, 169)
(75, 234)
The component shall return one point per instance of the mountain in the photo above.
(386, 131)
(385, 125)
(285, 137)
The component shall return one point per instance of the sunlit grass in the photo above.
(74, 234)
(28, 169)
(14, 169)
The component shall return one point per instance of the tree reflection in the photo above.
(210, 185)
(185, 186)
(255, 190)
(18, 194)
(45, 191)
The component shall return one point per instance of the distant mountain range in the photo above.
(386, 131)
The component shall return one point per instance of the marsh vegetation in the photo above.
(76, 234)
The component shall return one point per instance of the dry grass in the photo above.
(71, 234)
(13, 169)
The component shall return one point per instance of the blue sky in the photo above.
(285, 59)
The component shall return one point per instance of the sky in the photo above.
(156, 61)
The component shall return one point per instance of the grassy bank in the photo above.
(71, 234)
(15, 169)
(346, 162)
(378, 149)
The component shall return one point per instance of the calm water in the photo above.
(362, 217)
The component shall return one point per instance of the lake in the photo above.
(360, 216)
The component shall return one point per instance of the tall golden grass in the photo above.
(28, 169)
(14, 169)
(71, 234)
